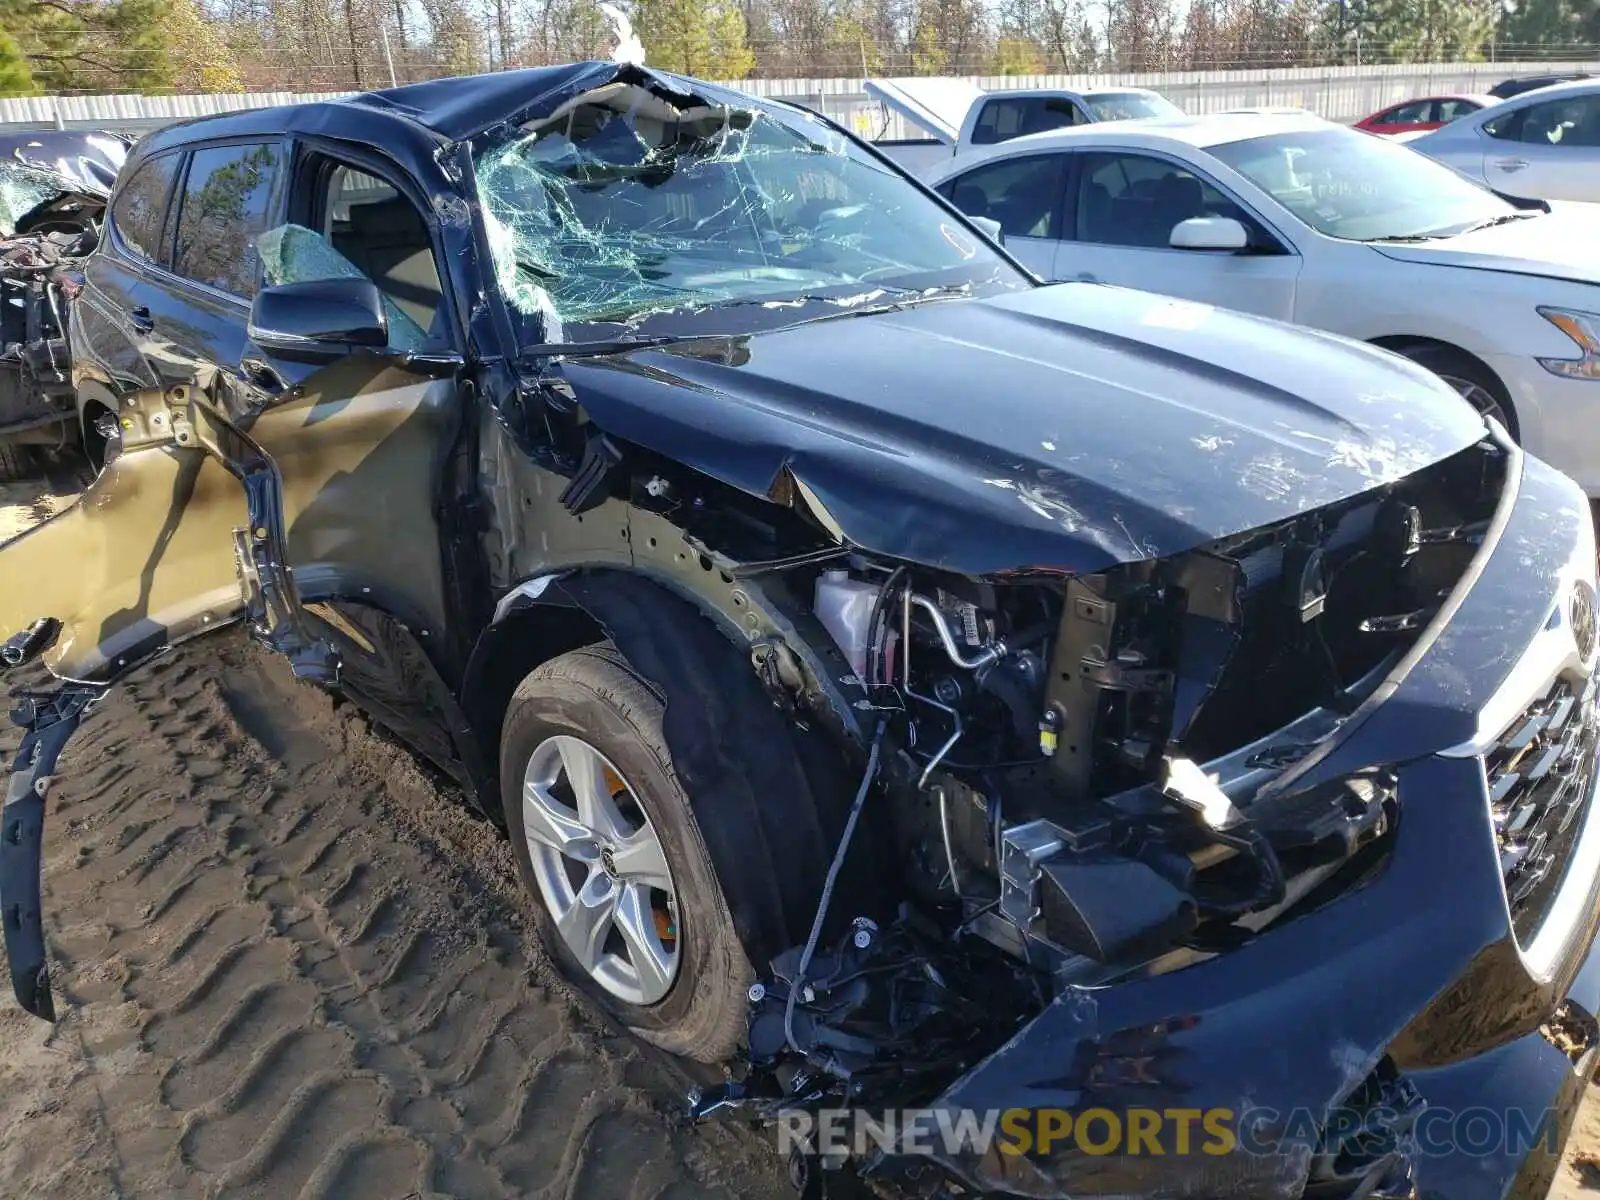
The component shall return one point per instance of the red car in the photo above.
(1423, 114)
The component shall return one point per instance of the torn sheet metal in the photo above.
(141, 561)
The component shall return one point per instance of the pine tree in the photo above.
(15, 77)
(704, 38)
(1552, 25)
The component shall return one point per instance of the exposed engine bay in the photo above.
(1090, 777)
(53, 192)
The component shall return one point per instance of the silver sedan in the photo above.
(1541, 145)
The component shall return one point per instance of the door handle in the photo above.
(142, 321)
(1088, 277)
(1511, 164)
(263, 377)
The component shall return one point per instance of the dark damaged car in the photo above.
(907, 684)
(53, 190)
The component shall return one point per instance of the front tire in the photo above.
(607, 843)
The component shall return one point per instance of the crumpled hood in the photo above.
(1070, 427)
(1561, 244)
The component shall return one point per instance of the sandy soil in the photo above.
(292, 966)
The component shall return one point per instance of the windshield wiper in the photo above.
(1411, 237)
(599, 349)
(1503, 219)
(1440, 234)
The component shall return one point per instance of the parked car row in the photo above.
(1305, 221)
(1541, 145)
(906, 683)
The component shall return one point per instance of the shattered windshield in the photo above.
(620, 207)
(21, 191)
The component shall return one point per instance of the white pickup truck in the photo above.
(960, 115)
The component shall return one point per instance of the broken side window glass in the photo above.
(620, 206)
(295, 254)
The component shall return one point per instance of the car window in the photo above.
(1569, 121)
(1130, 106)
(384, 235)
(1136, 199)
(1451, 110)
(1023, 194)
(141, 205)
(1350, 185)
(1408, 114)
(225, 208)
(1002, 120)
(1507, 126)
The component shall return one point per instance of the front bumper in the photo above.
(1417, 976)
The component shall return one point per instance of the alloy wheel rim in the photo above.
(601, 870)
(1479, 397)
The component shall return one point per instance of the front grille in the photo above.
(1541, 776)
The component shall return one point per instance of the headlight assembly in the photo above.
(1584, 329)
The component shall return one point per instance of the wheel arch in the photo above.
(1401, 342)
(792, 795)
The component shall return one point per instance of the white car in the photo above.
(958, 115)
(1302, 220)
(1541, 145)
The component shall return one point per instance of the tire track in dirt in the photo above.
(292, 967)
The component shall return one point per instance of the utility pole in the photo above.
(387, 57)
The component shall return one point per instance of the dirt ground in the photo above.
(290, 966)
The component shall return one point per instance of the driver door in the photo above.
(1122, 209)
(250, 484)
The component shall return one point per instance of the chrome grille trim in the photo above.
(1541, 778)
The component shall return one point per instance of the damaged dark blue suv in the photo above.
(921, 689)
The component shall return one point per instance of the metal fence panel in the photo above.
(1338, 93)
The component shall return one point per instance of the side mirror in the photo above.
(319, 320)
(991, 227)
(1209, 233)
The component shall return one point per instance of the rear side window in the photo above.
(1408, 114)
(1002, 120)
(1570, 121)
(141, 206)
(1023, 194)
(226, 205)
(1507, 126)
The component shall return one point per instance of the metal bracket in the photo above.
(1022, 849)
(272, 602)
(49, 720)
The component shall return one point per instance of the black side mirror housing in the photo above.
(318, 320)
